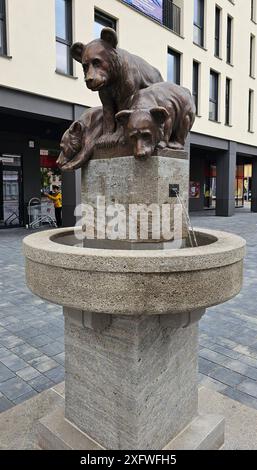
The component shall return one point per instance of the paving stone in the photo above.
(227, 376)
(29, 333)
(60, 358)
(225, 351)
(56, 375)
(5, 404)
(205, 366)
(25, 397)
(212, 383)
(40, 340)
(43, 363)
(214, 357)
(52, 349)
(28, 373)
(26, 352)
(13, 362)
(5, 373)
(41, 383)
(249, 387)
(11, 341)
(243, 369)
(240, 396)
(4, 352)
(14, 388)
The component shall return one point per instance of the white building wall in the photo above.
(31, 44)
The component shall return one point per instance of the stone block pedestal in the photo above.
(131, 383)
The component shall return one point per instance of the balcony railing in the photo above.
(172, 16)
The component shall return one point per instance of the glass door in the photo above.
(210, 186)
(239, 186)
(10, 192)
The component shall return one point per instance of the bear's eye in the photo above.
(85, 67)
(96, 62)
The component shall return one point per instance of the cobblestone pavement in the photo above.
(31, 330)
(228, 332)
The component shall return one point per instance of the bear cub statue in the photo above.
(160, 116)
(77, 144)
(116, 74)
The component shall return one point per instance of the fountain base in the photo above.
(131, 383)
(205, 432)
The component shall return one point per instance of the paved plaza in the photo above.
(31, 330)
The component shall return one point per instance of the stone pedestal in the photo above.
(131, 383)
(127, 181)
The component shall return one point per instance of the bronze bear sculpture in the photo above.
(160, 116)
(78, 142)
(116, 74)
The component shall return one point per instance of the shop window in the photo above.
(239, 186)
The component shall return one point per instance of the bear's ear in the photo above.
(110, 36)
(123, 116)
(76, 128)
(160, 114)
(76, 51)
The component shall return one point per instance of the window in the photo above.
(199, 22)
(3, 45)
(252, 56)
(102, 21)
(172, 16)
(195, 87)
(63, 20)
(173, 66)
(250, 110)
(228, 101)
(214, 95)
(253, 10)
(229, 39)
(217, 31)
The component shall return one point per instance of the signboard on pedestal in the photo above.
(151, 8)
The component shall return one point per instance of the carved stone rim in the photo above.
(42, 248)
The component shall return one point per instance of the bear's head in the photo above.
(98, 59)
(143, 128)
(71, 143)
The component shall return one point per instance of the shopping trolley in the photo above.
(39, 213)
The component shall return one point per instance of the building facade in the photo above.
(207, 46)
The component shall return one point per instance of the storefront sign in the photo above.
(43, 152)
(149, 7)
(194, 190)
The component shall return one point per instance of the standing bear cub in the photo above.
(116, 74)
(159, 116)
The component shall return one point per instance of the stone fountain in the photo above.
(132, 301)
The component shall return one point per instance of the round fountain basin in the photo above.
(113, 278)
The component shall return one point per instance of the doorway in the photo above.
(10, 191)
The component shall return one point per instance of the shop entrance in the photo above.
(210, 184)
(10, 191)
